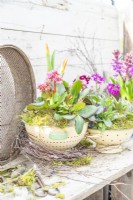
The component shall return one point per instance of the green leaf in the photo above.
(33, 107)
(78, 106)
(43, 95)
(76, 87)
(38, 103)
(52, 60)
(88, 111)
(66, 84)
(48, 62)
(99, 110)
(84, 93)
(69, 117)
(57, 116)
(79, 123)
(60, 88)
(39, 99)
(108, 122)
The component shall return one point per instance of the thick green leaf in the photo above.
(108, 122)
(78, 106)
(33, 107)
(75, 90)
(39, 99)
(38, 103)
(84, 93)
(57, 116)
(79, 123)
(69, 117)
(66, 84)
(88, 111)
(43, 95)
(99, 110)
(60, 88)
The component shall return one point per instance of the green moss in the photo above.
(43, 118)
(122, 123)
(75, 162)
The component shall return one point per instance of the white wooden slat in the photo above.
(33, 45)
(61, 22)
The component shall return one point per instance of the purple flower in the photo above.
(113, 89)
(97, 78)
(128, 65)
(117, 64)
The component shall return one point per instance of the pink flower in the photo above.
(44, 87)
(54, 76)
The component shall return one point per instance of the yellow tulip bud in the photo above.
(47, 49)
(63, 66)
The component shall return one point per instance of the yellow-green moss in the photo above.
(75, 162)
(43, 118)
(122, 123)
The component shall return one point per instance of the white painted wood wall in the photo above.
(30, 24)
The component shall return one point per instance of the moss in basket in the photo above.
(122, 123)
(42, 118)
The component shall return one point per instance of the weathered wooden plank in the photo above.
(128, 31)
(124, 188)
(53, 21)
(33, 44)
(97, 196)
(103, 170)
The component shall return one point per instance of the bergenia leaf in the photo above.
(100, 109)
(78, 106)
(79, 123)
(84, 93)
(108, 122)
(38, 103)
(57, 116)
(88, 111)
(60, 88)
(76, 87)
(69, 117)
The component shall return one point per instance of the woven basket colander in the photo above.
(17, 89)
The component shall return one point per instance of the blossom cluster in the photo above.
(116, 62)
(97, 78)
(124, 67)
(113, 89)
(51, 77)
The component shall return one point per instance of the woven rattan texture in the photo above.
(16, 91)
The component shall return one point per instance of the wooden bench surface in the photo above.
(102, 171)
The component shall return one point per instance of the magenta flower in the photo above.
(85, 80)
(54, 76)
(97, 78)
(44, 87)
(113, 89)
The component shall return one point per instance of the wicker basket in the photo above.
(110, 141)
(56, 138)
(16, 91)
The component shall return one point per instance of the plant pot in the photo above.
(110, 141)
(54, 137)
